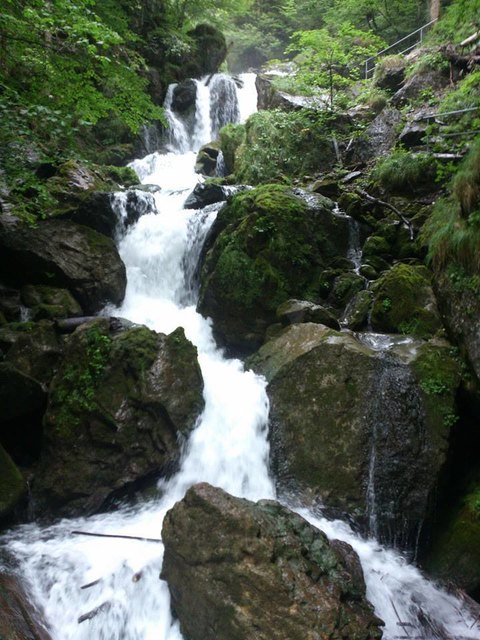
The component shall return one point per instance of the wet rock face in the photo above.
(267, 245)
(18, 618)
(460, 310)
(118, 407)
(366, 435)
(238, 570)
(65, 255)
(184, 97)
(379, 138)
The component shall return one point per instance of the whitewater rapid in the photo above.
(228, 448)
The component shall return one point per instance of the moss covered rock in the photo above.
(458, 293)
(404, 302)
(455, 552)
(49, 302)
(362, 432)
(12, 485)
(64, 255)
(207, 158)
(240, 570)
(266, 246)
(118, 408)
(33, 348)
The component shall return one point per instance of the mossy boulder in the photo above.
(231, 137)
(64, 255)
(357, 312)
(455, 552)
(33, 348)
(267, 245)
(13, 487)
(404, 302)
(298, 311)
(458, 293)
(209, 51)
(119, 407)
(238, 570)
(207, 159)
(48, 303)
(20, 394)
(362, 431)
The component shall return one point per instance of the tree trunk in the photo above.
(435, 6)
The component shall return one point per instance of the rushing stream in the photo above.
(228, 448)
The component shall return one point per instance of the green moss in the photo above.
(231, 137)
(439, 371)
(12, 484)
(75, 389)
(404, 302)
(268, 249)
(403, 171)
(281, 145)
(136, 348)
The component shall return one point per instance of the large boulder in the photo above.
(184, 97)
(362, 431)
(238, 570)
(269, 97)
(62, 254)
(43, 302)
(208, 193)
(19, 619)
(112, 213)
(266, 246)
(33, 348)
(404, 302)
(378, 139)
(119, 406)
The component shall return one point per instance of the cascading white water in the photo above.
(228, 448)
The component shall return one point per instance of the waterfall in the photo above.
(228, 448)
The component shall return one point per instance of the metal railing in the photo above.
(456, 134)
(370, 63)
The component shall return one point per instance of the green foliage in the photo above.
(428, 61)
(460, 20)
(76, 392)
(280, 144)
(403, 171)
(331, 62)
(453, 230)
(466, 95)
(439, 373)
(66, 65)
(231, 137)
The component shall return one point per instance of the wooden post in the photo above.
(435, 8)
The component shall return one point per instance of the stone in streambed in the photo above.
(119, 406)
(335, 402)
(62, 254)
(238, 570)
(267, 245)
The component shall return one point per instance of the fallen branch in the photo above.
(382, 203)
(91, 584)
(105, 606)
(109, 535)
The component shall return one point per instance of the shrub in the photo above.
(404, 171)
(280, 143)
(453, 230)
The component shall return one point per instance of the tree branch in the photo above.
(382, 203)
